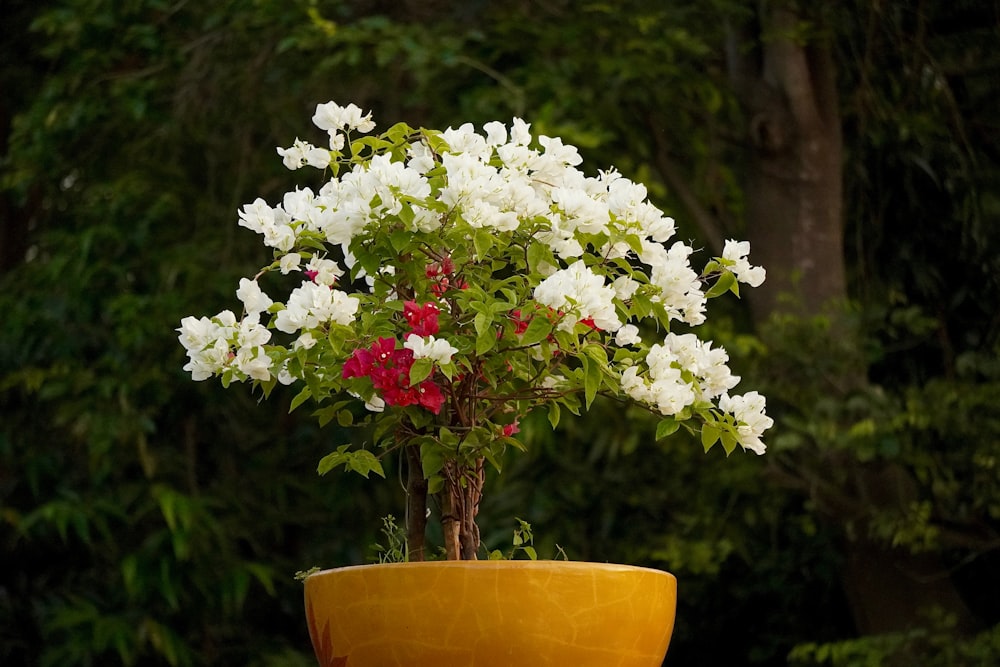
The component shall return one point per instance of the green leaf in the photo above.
(729, 441)
(364, 462)
(486, 341)
(300, 398)
(492, 458)
(483, 240)
(482, 321)
(724, 284)
(634, 243)
(420, 370)
(538, 330)
(709, 435)
(431, 459)
(667, 427)
(539, 254)
(554, 414)
(326, 414)
(591, 379)
(331, 461)
(399, 239)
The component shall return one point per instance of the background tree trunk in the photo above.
(794, 217)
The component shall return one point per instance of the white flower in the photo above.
(582, 212)
(284, 377)
(520, 134)
(251, 333)
(421, 158)
(582, 294)
(624, 287)
(708, 364)
(310, 305)
(205, 363)
(496, 133)
(465, 140)
(564, 153)
(751, 420)
(302, 153)
(333, 118)
(375, 404)
(737, 253)
(254, 300)
(197, 333)
(326, 271)
(435, 349)
(628, 335)
(304, 342)
(256, 216)
(289, 263)
(254, 362)
(681, 293)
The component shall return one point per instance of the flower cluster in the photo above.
(452, 281)
(389, 369)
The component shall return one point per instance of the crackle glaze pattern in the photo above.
(491, 614)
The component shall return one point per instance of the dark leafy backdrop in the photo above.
(149, 520)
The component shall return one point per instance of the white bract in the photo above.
(493, 261)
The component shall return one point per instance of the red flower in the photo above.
(511, 429)
(423, 320)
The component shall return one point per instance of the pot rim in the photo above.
(568, 565)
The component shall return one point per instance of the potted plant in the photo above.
(441, 285)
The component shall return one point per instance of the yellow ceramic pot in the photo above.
(491, 614)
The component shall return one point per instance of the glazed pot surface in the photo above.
(491, 614)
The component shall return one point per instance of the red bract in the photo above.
(363, 361)
(439, 272)
(389, 369)
(423, 320)
(445, 267)
(511, 429)
(520, 325)
(430, 396)
(442, 285)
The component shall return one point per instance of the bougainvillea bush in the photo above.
(438, 286)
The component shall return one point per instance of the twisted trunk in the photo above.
(463, 489)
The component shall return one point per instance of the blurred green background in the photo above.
(149, 520)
